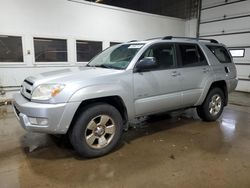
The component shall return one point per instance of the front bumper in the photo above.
(57, 116)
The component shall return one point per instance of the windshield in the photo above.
(116, 57)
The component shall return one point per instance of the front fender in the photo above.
(96, 91)
(105, 90)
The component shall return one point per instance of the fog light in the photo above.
(33, 120)
(38, 121)
(42, 121)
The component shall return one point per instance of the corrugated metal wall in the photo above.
(228, 21)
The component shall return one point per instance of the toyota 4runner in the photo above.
(93, 104)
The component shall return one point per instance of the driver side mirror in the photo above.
(146, 64)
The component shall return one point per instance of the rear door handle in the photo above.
(175, 73)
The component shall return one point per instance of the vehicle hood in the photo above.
(73, 75)
(75, 79)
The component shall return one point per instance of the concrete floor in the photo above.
(181, 151)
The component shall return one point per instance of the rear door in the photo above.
(194, 70)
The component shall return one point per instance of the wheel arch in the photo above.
(223, 86)
(219, 84)
(115, 101)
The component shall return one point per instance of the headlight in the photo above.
(46, 91)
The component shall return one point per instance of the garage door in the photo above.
(228, 21)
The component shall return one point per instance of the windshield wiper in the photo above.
(90, 65)
(107, 66)
(103, 66)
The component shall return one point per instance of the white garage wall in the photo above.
(229, 23)
(191, 28)
(73, 20)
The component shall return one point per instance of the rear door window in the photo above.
(191, 55)
(220, 53)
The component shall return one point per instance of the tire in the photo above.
(97, 130)
(213, 105)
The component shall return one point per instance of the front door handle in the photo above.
(205, 70)
(175, 73)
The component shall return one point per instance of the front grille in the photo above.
(28, 82)
(26, 88)
(28, 91)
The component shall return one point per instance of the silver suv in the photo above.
(94, 104)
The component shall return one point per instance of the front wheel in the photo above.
(213, 105)
(97, 130)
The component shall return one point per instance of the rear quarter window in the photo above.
(220, 53)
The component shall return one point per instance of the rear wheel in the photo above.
(97, 130)
(213, 105)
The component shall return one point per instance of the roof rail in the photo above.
(190, 38)
(153, 38)
(133, 41)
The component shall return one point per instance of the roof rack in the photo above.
(190, 38)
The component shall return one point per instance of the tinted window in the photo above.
(86, 50)
(11, 49)
(50, 50)
(221, 53)
(191, 55)
(163, 54)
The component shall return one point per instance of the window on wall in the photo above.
(237, 52)
(86, 50)
(50, 50)
(11, 49)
